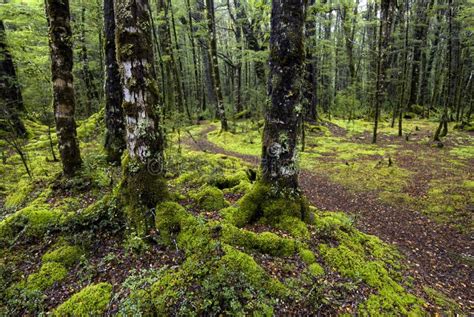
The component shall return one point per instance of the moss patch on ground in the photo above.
(92, 300)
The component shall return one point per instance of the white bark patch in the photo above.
(59, 82)
(131, 29)
(127, 69)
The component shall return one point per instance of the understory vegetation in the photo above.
(64, 250)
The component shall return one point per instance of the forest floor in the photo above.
(437, 247)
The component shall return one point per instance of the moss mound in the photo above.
(66, 255)
(50, 273)
(211, 198)
(90, 301)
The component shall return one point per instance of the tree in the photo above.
(114, 121)
(63, 87)
(143, 185)
(385, 27)
(287, 57)
(216, 79)
(10, 93)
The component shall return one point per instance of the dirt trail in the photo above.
(438, 255)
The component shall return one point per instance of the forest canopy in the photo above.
(236, 157)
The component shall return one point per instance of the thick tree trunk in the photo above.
(114, 120)
(143, 184)
(60, 43)
(287, 53)
(214, 64)
(10, 93)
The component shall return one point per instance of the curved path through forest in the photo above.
(437, 255)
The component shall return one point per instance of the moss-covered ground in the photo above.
(65, 250)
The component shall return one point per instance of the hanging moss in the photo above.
(90, 301)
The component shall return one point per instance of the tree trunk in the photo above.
(420, 33)
(10, 93)
(287, 53)
(143, 185)
(114, 121)
(60, 44)
(91, 90)
(385, 27)
(214, 64)
(310, 84)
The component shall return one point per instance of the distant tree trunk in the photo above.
(194, 54)
(114, 120)
(238, 66)
(214, 64)
(91, 90)
(251, 39)
(419, 34)
(310, 85)
(386, 8)
(287, 55)
(60, 43)
(143, 185)
(10, 93)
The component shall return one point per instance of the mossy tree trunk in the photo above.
(114, 120)
(143, 185)
(10, 93)
(287, 54)
(60, 43)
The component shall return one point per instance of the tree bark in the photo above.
(287, 55)
(211, 23)
(143, 184)
(60, 43)
(114, 120)
(10, 93)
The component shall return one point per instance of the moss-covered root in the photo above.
(90, 301)
(287, 211)
(140, 190)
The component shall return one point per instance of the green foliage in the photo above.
(91, 300)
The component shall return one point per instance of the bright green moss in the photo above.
(448, 306)
(231, 284)
(211, 198)
(66, 255)
(90, 301)
(247, 143)
(49, 273)
(307, 256)
(265, 242)
(169, 217)
(316, 270)
(17, 197)
(261, 203)
(327, 224)
(32, 221)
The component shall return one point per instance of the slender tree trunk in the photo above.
(114, 119)
(287, 55)
(310, 85)
(10, 93)
(386, 7)
(214, 64)
(193, 47)
(91, 90)
(143, 185)
(60, 44)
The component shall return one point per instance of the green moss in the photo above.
(463, 152)
(49, 273)
(32, 221)
(265, 242)
(276, 209)
(91, 300)
(247, 143)
(22, 191)
(316, 270)
(230, 284)
(141, 190)
(307, 256)
(168, 220)
(66, 255)
(210, 198)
